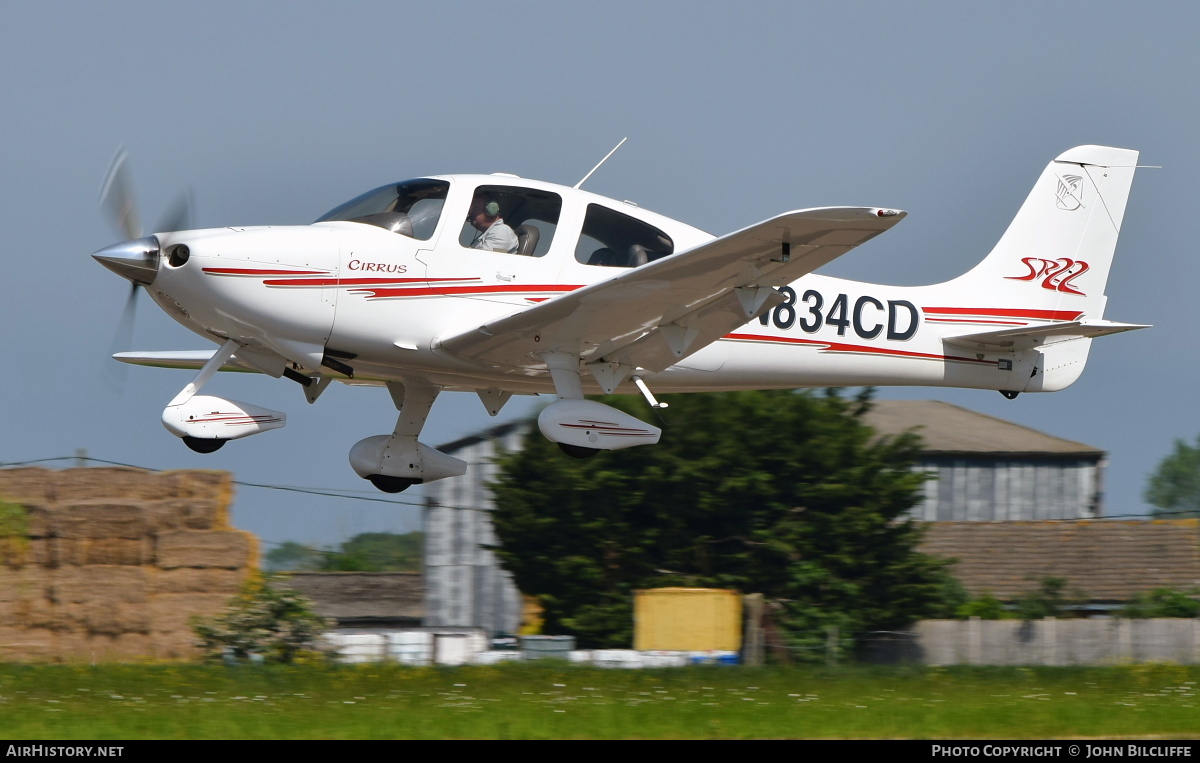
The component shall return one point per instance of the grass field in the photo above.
(550, 700)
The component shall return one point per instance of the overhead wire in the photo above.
(328, 492)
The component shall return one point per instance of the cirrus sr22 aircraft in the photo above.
(602, 296)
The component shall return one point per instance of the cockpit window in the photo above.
(531, 215)
(613, 239)
(411, 208)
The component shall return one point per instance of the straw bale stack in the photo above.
(27, 486)
(112, 563)
(201, 549)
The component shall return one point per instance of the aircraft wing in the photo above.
(195, 359)
(192, 359)
(654, 315)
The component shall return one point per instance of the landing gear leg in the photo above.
(210, 367)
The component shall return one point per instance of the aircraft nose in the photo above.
(135, 260)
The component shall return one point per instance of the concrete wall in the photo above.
(111, 563)
(1045, 642)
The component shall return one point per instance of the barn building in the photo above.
(464, 583)
(988, 469)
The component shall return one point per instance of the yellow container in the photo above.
(687, 620)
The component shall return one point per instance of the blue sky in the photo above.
(275, 112)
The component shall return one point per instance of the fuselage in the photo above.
(372, 296)
(501, 285)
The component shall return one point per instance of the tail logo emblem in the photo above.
(1069, 192)
(1055, 275)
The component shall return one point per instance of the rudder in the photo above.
(1057, 252)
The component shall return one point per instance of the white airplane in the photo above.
(599, 296)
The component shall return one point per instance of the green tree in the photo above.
(783, 493)
(1174, 486)
(294, 557)
(951, 596)
(365, 552)
(1163, 602)
(1049, 599)
(14, 534)
(267, 620)
(379, 552)
(986, 607)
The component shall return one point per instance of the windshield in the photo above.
(411, 208)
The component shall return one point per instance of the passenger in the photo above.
(493, 235)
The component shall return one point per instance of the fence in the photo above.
(1043, 642)
(436, 646)
(930, 642)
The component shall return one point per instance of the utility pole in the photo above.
(752, 643)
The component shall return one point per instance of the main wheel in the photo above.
(577, 451)
(391, 484)
(204, 445)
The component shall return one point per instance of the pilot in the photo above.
(493, 234)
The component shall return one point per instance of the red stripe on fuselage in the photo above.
(391, 288)
(1003, 312)
(357, 281)
(463, 291)
(262, 272)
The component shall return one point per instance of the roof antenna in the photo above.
(602, 161)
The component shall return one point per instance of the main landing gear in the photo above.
(395, 462)
(582, 428)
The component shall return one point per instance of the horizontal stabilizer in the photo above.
(1032, 336)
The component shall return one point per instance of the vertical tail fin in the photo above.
(1057, 252)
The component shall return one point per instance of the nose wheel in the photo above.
(204, 445)
(391, 484)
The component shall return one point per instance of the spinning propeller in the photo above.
(137, 257)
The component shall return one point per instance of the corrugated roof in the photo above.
(1103, 560)
(946, 428)
(358, 595)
